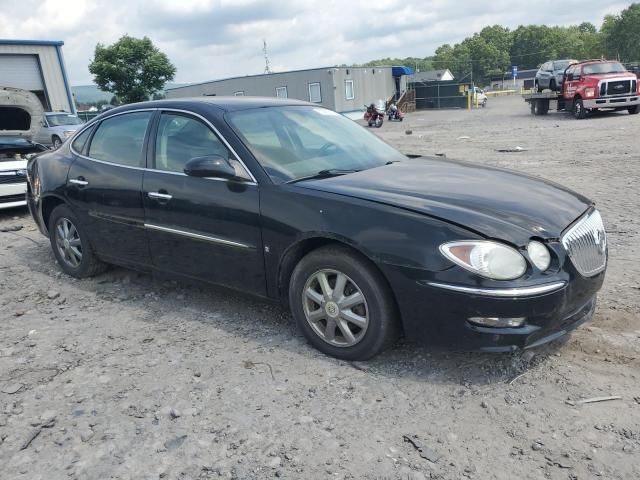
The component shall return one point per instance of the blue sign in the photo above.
(514, 71)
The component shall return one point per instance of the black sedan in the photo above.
(291, 201)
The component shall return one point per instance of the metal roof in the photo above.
(49, 43)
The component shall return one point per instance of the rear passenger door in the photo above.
(205, 228)
(104, 186)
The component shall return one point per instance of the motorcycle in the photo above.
(394, 113)
(374, 114)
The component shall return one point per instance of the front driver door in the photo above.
(205, 228)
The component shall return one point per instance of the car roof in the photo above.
(227, 104)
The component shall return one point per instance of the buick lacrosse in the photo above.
(294, 202)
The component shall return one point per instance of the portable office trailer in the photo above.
(342, 89)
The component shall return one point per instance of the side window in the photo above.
(181, 138)
(315, 95)
(120, 139)
(81, 140)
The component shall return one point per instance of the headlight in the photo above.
(539, 255)
(590, 92)
(484, 257)
(68, 133)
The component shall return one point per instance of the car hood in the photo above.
(493, 202)
(21, 113)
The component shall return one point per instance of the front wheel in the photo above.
(579, 112)
(342, 304)
(634, 110)
(57, 143)
(71, 246)
(379, 121)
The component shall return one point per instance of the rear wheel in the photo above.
(634, 110)
(342, 304)
(71, 246)
(579, 111)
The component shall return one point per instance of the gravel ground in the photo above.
(133, 377)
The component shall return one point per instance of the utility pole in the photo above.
(267, 65)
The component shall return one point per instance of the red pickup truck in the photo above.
(589, 86)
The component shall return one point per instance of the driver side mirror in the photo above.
(209, 166)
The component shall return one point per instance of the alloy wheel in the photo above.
(335, 308)
(68, 242)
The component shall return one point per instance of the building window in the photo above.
(239, 93)
(315, 95)
(281, 92)
(348, 89)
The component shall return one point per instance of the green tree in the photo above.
(132, 68)
(623, 34)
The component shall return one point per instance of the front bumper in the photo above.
(438, 316)
(612, 102)
(13, 195)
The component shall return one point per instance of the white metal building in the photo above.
(37, 66)
(343, 89)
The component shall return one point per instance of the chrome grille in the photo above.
(586, 244)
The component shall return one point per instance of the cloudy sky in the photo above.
(209, 39)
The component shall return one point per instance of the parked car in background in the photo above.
(479, 97)
(288, 200)
(20, 113)
(551, 74)
(57, 127)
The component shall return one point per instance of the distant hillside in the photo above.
(92, 94)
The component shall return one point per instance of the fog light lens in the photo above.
(498, 321)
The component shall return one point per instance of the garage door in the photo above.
(20, 71)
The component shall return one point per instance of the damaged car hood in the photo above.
(20, 113)
(494, 202)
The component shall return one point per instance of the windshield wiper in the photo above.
(330, 172)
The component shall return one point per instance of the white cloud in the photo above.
(209, 39)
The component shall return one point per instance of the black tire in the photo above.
(538, 88)
(552, 85)
(382, 319)
(88, 265)
(579, 112)
(56, 142)
(379, 121)
(634, 110)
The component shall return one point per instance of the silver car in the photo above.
(57, 127)
(551, 74)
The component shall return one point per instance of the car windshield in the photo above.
(59, 119)
(601, 68)
(561, 65)
(19, 141)
(295, 142)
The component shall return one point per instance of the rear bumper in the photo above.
(13, 195)
(439, 316)
(613, 102)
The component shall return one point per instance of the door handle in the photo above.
(79, 181)
(159, 196)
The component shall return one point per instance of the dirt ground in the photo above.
(132, 377)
